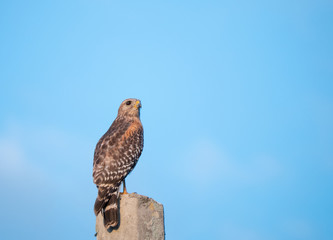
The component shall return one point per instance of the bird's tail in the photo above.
(107, 203)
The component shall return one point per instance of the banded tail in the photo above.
(107, 202)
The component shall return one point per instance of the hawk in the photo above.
(116, 154)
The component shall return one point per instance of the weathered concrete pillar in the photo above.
(140, 218)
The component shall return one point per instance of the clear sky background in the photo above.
(237, 109)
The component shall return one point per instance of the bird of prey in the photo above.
(116, 154)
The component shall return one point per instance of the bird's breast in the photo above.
(134, 127)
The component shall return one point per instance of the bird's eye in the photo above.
(128, 103)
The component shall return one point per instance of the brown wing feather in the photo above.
(116, 154)
(108, 150)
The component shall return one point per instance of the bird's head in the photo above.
(130, 107)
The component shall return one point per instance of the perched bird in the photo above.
(116, 154)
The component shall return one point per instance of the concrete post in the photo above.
(141, 218)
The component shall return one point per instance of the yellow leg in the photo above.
(124, 187)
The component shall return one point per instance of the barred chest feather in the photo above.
(115, 159)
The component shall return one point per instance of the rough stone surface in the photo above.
(140, 218)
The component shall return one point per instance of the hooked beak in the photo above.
(138, 104)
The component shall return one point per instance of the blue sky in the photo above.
(237, 109)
